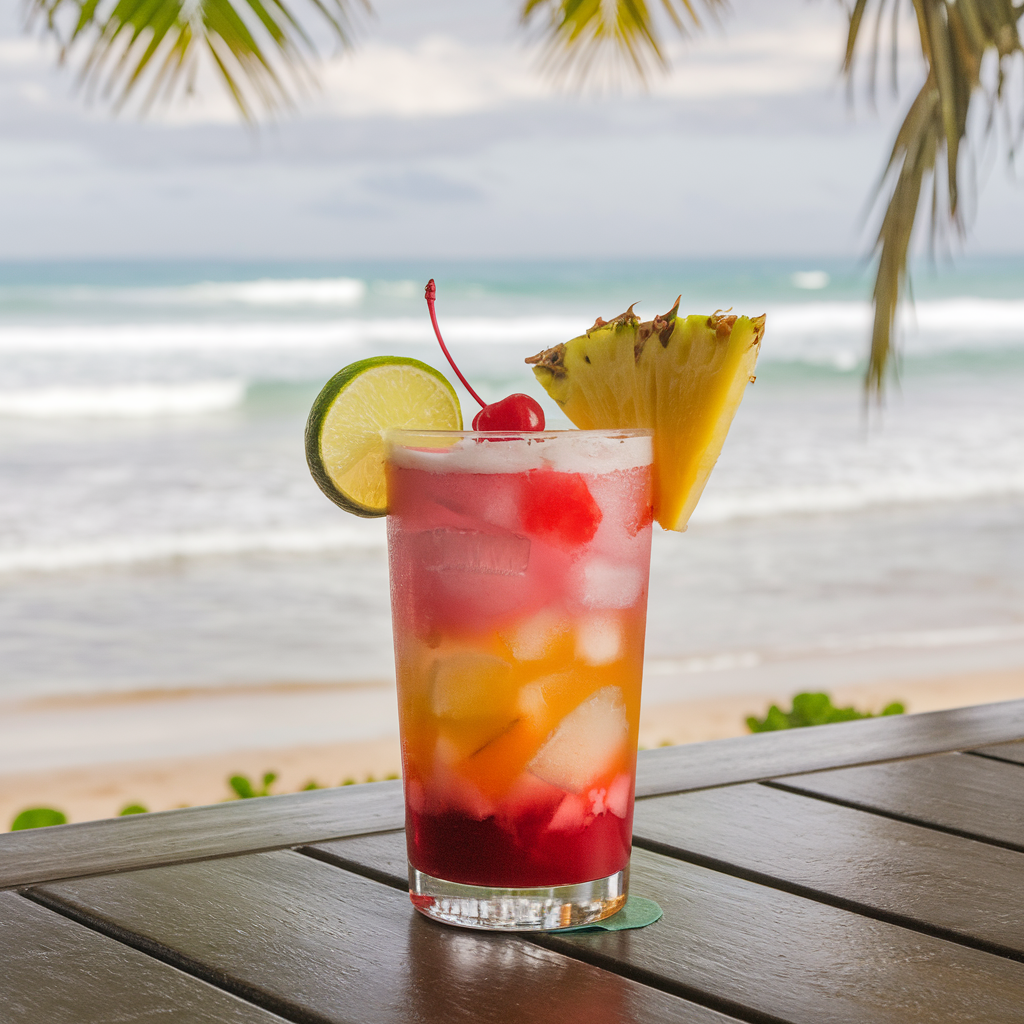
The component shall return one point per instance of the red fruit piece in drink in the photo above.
(559, 507)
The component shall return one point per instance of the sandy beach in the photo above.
(97, 790)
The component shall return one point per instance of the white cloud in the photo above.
(439, 76)
(442, 76)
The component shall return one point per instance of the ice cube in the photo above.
(625, 499)
(586, 742)
(598, 639)
(470, 684)
(443, 550)
(531, 639)
(605, 584)
(570, 816)
(617, 800)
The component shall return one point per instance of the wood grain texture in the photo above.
(771, 754)
(54, 971)
(381, 856)
(917, 876)
(753, 951)
(1004, 752)
(973, 796)
(793, 959)
(322, 944)
(141, 840)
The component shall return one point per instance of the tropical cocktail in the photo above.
(519, 567)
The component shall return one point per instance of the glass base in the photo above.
(517, 910)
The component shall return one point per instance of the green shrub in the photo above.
(38, 817)
(813, 709)
(132, 809)
(246, 790)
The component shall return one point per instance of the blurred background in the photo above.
(177, 599)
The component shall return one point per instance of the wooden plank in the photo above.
(1003, 752)
(380, 856)
(798, 960)
(929, 880)
(970, 796)
(195, 833)
(71, 851)
(766, 954)
(793, 751)
(323, 944)
(54, 971)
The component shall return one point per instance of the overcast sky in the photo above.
(438, 137)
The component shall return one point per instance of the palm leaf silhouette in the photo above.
(156, 45)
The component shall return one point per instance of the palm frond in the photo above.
(259, 48)
(581, 37)
(956, 36)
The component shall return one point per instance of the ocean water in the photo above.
(159, 529)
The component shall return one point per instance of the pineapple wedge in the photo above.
(682, 377)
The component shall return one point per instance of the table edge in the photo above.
(247, 826)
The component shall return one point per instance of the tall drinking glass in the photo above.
(519, 573)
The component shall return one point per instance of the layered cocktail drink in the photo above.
(519, 567)
(519, 574)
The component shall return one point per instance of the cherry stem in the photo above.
(431, 294)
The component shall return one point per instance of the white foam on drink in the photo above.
(572, 451)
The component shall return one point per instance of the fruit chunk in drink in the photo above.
(519, 569)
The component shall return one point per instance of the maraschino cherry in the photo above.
(517, 412)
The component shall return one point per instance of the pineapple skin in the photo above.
(682, 377)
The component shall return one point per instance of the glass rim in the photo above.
(396, 433)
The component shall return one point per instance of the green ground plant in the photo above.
(245, 789)
(813, 709)
(38, 817)
(242, 787)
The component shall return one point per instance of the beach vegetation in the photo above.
(242, 787)
(265, 54)
(38, 817)
(245, 789)
(813, 709)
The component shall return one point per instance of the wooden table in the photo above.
(864, 872)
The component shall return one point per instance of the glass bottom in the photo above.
(517, 910)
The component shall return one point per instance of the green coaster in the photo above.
(638, 912)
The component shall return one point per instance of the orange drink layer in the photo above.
(519, 577)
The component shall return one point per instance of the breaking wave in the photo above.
(823, 333)
(126, 551)
(864, 494)
(917, 639)
(264, 292)
(123, 400)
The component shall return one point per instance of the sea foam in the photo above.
(123, 400)
(821, 333)
(109, 551)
